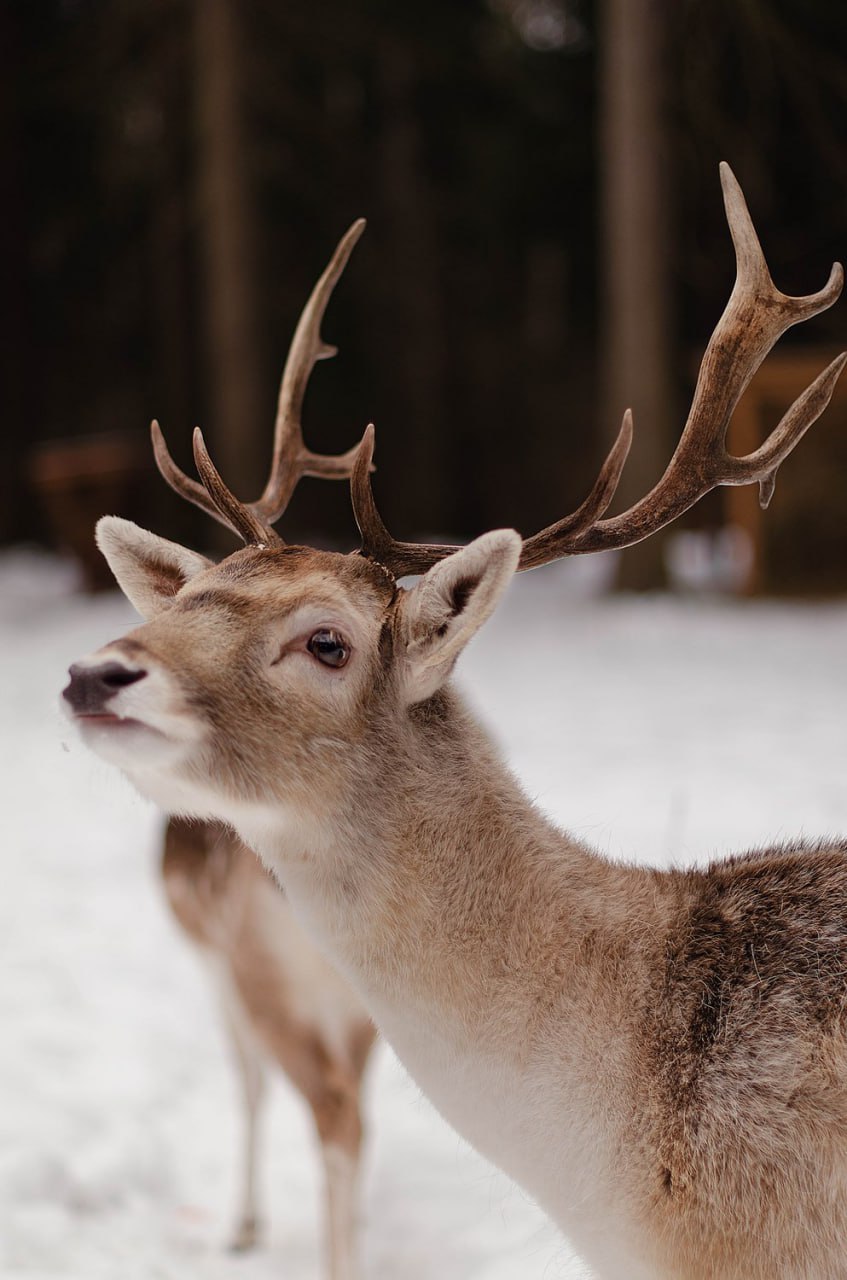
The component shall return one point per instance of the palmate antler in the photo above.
(291, 458)
(755, 317)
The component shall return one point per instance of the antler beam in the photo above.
(755, 317)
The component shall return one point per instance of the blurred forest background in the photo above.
(546, 245)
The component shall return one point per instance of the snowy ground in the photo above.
(666, 730)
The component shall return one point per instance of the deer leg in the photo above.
(252, 1077)
(335, 1106)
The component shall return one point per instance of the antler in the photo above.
(755, 317)
(291, 458)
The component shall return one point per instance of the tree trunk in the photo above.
(635, 194)
(240, 423)
(412, 300)
(18, 517)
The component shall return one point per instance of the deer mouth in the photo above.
(125, 741)
(104, 724)
(98, 722)
(106, 718)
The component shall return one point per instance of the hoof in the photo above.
(247, 1236)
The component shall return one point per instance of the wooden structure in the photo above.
(79, 480)
(804, 492)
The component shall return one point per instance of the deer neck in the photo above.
(431, 878)
(488, 945)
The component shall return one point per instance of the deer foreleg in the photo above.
(251, 1072)
(339, 1125)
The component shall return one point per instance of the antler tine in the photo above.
(227, 507)
(177, 479)
(755, 317)
(752, 269)
(291, 458)
(761, 465)
(399, 558)
(416, 557)
(212, 496)
(541, 548)
(376, 540)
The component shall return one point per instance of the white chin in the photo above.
(152, 762)
(129, 744)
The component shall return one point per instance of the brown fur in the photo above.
(228, 904)
(748, 1058)
(659, 1057)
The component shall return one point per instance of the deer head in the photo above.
(278, 676)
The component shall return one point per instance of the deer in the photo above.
(283, 1003)
(658, 1057)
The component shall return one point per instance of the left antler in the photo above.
(291, 458)
(755, 317)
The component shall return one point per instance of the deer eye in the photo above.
(329, 647)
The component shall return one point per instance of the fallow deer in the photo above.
(282, 1001)
(658, 1057)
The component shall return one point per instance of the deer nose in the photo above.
(91, 688)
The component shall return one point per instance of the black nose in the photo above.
(92, 687)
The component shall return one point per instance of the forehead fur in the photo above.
(255, 571)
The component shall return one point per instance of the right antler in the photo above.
(291, 458)
(756, 316)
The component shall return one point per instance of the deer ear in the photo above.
(149, 570)
(449, 605)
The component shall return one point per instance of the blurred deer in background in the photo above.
(659, 1058)
(282, 1001)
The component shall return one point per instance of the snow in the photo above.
(664, 729)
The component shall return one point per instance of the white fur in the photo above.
(434, 631)
(131, 551)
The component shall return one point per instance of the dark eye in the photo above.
(329, 647)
